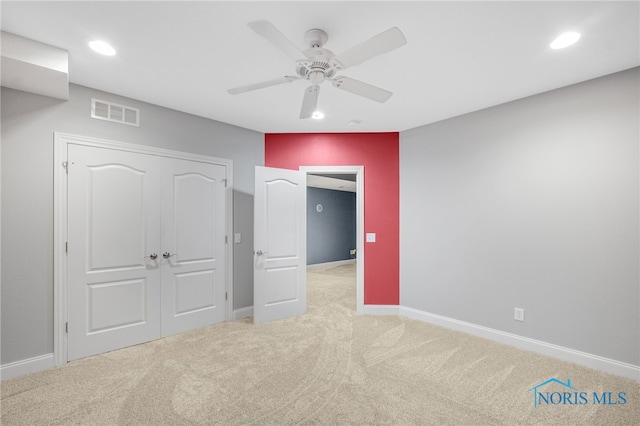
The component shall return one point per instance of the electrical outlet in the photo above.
(518, 314)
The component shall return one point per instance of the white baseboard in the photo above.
(330, 264)
(630, 371)
(596, 362)
(381, 310)
(27, 366)
(243, 312)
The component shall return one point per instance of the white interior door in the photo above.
(113, 236)
(193, 245)
(280, 258)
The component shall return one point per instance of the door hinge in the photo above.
(66, 247)
(226, 296)
(226, 239)
(66, 327)
(225, 182)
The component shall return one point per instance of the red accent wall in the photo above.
(379, 154)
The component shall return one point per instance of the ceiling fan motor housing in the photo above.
(319, 67)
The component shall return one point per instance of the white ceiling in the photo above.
(334, 182)
(460, 56)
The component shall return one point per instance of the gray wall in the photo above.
(331, 233)
(530, 204)
(28, 123)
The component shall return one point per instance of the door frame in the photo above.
(359, 172)
(60, 273)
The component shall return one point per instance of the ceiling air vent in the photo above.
(117, 113)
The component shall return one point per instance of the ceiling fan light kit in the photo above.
(317, 64)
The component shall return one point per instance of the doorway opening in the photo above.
(351, 178)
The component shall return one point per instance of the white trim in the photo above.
(330, 264)
(381, 310)
(566, 354)
(59, 258)
(359, 172)
(140, 149)
(229, 252)
(61, 143)
(243, 312)
(27, 366)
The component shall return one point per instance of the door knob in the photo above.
(167, 255)
(152, 256)
(260, 252)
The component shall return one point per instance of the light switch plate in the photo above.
(237, 238)
(371, 237)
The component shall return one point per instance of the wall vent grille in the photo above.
(103, 110)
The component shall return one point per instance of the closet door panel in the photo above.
(113, 230)
(194, 247)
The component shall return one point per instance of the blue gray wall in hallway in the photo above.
(331, 232)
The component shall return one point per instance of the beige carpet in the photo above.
(330, 366)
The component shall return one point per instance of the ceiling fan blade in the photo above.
(267, 30)
(262, 85)
(357, 87)
(310, 101)
(375, 46)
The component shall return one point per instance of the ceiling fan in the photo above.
(317, 64)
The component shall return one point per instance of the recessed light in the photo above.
(317, 115)
(102, 47)
(565, 40)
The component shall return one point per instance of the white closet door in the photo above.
(193, 245)
(113, 233)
